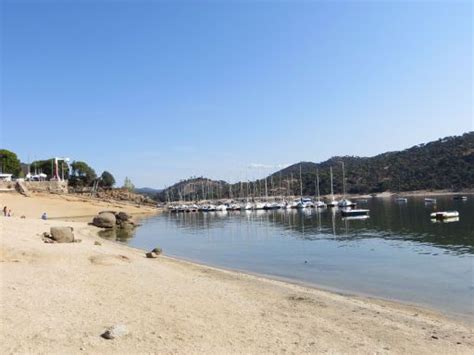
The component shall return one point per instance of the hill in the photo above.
(147, 191)
(447, 163)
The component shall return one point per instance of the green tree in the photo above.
(127, 184)
(9, 162)
(81, 174)
(47, 167)
(108, 179)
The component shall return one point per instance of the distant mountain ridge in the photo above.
(147, 191)
(446, 163)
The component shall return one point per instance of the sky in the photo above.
(163, 90)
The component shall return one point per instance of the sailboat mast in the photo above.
(332, 189)
(301, 184)
(317, 184)
(343, 180)
(266, 188)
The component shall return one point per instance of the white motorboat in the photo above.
(346, 203)
(319, 204)
(248, 206)
(444, 214)
(305, 203)
(430, 200)
(221, 208)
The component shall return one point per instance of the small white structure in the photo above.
(6, 177)
(36, 177)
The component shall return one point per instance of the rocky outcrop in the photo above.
(60, 235)
(105, 220)
(112, 219)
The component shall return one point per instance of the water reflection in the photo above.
(119, 235)
(389, 220)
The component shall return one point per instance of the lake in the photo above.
(398, 253)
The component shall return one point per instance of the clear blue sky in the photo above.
(160, 91)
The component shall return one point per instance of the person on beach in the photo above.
(5, 211)
(10, 213)
(44, 216)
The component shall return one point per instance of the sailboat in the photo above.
(304, 202)
(319, 203)
(333, 202)
(344, 202)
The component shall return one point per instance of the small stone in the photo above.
(116, 331)
(157, 251)
(151, 255)
(82, 348)
(97, 243)
(434, 337)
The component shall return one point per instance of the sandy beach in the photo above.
(59, 298)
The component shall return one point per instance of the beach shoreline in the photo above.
(74, 291)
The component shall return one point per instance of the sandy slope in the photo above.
(59, 298)
(63, 206)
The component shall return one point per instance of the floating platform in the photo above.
(354, 212)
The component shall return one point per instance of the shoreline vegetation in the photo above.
(75, 291)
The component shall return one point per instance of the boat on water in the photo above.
(401, 199)
(460, 198)
(361, 200)
(234, 207)
(221, 207)
(346, 203)
(444, 214)
(271, 206)
(208, 208)
(248, 206)
(259, 206)
(191, 208)
(292, 204)
(305, 203)
(333, 202)
(318, 203)
(349, 212)
(430, 200)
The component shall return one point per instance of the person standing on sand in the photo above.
(5, 211)
(10, 213)
(44, 216)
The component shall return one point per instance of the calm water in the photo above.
(398, 253)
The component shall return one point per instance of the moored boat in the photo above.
(346, 203)
(444, 214)
(430, 200)
(460, 198)
(401, 199)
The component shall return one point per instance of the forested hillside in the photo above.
(447, 163)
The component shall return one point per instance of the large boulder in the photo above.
(122, 216)
(62, 234)
(104, 220)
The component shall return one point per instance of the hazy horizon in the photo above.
(162, 91)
